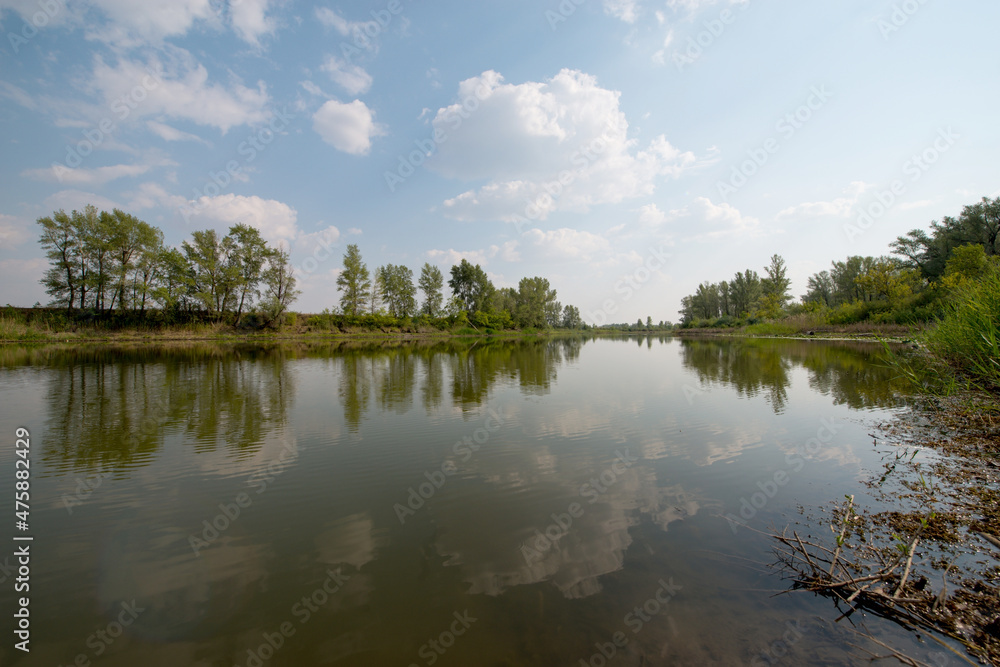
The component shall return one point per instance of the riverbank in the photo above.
(932, 560)
(786, 329)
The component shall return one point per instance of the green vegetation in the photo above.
(476, 307)
(115, 263)
(946, 280)
(914, 287)
(968, 336)
(111, 275)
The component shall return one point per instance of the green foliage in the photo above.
(774, 287)
(354, 282)
(535, 302)
(571, 318)
(431, 284)
(397, 290)
(977, 224)
(114, 261)
(471, 286)
(969, 334)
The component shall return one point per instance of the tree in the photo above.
(127, 237)
(724, 307)
(374, 297)
(977, 224)
(148, 269)
(774, 287)
(247, 253)
(176, 280)
(981, 225)
(354, 282)
(397, 290)
(821, 288)
(535, 303)
(61, 243)
(95, 232)
(471, 286)
(213, 276)
(886, 279)
(279, 285)
(504, 301)
(706, 301)
(845, 275)
(649, 322)
(745, 291)
(553, 314)
(571, 318)
(431, 284)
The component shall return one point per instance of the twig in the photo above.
(909, 564)
(840, 540)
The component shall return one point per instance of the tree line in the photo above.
(115, 262)
(746, 294)
(474, 300)
(904, 286)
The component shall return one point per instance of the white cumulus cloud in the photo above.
(626, 10)
(348, 127)
(99, 175)
(178, 88)
(251, 21)
(276, 220)
(352, 78)
(560, 144)
(839, 207)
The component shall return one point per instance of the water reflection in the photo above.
(113, 408)
(602, 479)
(840, 369)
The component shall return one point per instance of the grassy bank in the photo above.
(31, 325)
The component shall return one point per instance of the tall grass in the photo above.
(968, 336)
(12, 329)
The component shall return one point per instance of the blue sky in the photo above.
(624, 149)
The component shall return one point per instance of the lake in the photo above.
(471, 502)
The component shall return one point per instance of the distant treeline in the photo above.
(911, 285)
(475, 302)
(101, 261)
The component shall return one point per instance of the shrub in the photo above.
(968, 336)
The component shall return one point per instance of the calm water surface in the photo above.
(469, 503)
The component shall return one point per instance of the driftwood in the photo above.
(864, 577)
